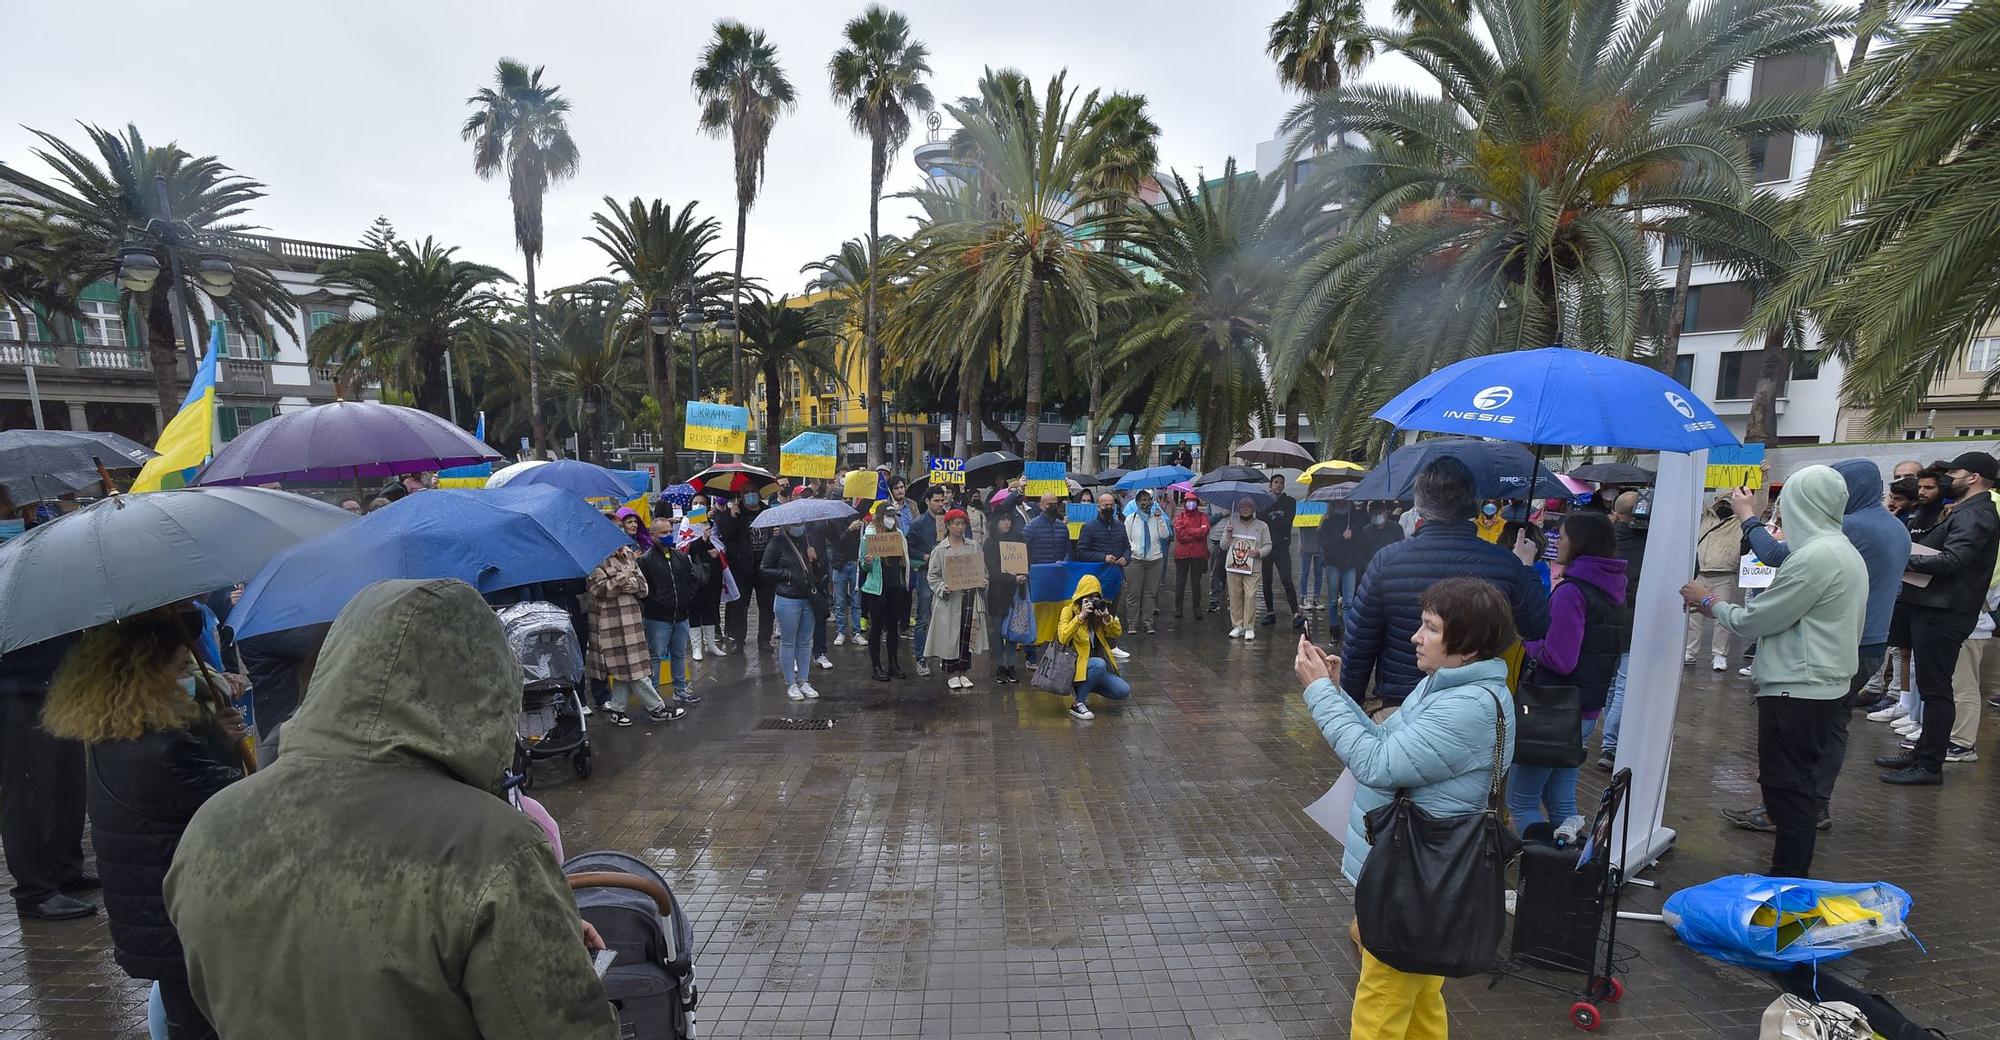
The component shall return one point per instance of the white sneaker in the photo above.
(807, 689)
(1907, 726)
(824, 662)
(1120, 653)
(1512, 899)
(1687, 658)
(1249, 635)
(840, 640)
(860, 640)
(792, 690)
(1235, 633)
(1719, 663)
(1743, 671)
(696, 653)
(1888, 714)
(1078, 711)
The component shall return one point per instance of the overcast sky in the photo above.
(350, 110)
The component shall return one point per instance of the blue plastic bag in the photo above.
(1716, 919)
(1020, 624)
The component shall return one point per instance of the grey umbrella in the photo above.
(128, 554)
(1275, 451)
(39, 464)
(804, 511)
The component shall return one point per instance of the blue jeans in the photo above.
(921, 593)
(1100, 680)
(1614, 705)
(1312, 574)
(847, 599)
(1529, 788)
(795, 646)
(667, 641)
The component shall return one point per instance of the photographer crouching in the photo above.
(1087, 626)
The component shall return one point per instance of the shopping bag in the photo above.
(1795, 1018)
(1056, 671)
(1773, 923)
(1019, 627)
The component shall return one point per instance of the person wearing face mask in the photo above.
(1148, 533)
(1048, 533)
(1718, 554)
(885, 583)
(1278, 562)
(619, 655)
(731, 521)
(696, 537)
(1246, 543)
(1190, 553)
(797, 576)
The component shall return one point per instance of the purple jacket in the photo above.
(1558, 650)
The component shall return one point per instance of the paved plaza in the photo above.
(977, 864)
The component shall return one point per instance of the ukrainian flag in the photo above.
(189, 438)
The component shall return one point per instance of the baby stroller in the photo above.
(651, 976)
(552, 723)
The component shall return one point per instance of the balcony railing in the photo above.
(25, 354)
(114, 358)
(82, 359)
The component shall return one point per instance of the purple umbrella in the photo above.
(345, 440)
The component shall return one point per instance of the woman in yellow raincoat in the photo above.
(1087, 626)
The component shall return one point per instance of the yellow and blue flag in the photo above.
(716, 427)
(468, 476)
(189, 438)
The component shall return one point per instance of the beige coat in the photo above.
(942, 640)
(1717, 551)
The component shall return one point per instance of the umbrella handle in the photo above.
(104, 476)
(244, 752)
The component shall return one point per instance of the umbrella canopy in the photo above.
(128, 554)
(345, 440)
(1499, 470)
(500, 477)
(804, 511)
(1182, 486)
(1237, 473)
(1612, 473)
(681, 495)
(1154, 477)
(1106, 478)
(1274, 451)
(1320, 474)
(731, 478)
(1332, 493)
(1226, 493)
(38, 464)
(992, 467)
(491, 539)
(1557, 395)
(581, 479)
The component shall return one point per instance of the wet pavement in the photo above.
(977, 864)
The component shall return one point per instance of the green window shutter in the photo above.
(226, 419)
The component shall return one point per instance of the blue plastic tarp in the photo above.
(1718, 919)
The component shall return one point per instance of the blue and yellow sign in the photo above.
(717, 427)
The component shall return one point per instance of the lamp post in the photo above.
(139, 266)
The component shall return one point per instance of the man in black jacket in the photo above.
(1958, 554)
(41, 791)
(674, 581)
(1279, 519)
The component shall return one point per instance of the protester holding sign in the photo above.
(1245, 541)
(1718, 553)
(885, 579)
(957, 577)
(1006, 551)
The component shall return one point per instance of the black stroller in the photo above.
(552, 722)
(651, 977)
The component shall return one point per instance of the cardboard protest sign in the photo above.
(1013, 557)
(890, 544)
(964, 570)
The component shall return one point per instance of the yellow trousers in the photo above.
(1392, 1005)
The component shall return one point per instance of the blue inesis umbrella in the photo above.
(492, 539)
(1154, 477)
(1499, 470)
(1558, 395)
(581, 479)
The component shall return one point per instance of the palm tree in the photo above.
(424, 302)
(1128, 146)
(34, 275)
(1031, 251)
(1905, 271)
(879, 76)
(113, 200)
(1315, 41)
(594, 369)
(742, 93)
(522, 125)
(778, 337)
(660, 258)
(1511, 209)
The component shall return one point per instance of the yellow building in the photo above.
(836, 407)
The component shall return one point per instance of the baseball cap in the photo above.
(1978, 462)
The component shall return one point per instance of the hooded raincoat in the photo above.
(373, 882)
(1075, 632)
(1808, 623)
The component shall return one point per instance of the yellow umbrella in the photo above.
(1328, 472)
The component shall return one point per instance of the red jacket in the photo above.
(1191, 534)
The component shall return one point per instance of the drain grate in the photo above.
(795, 724)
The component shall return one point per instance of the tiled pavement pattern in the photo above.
(977, 864)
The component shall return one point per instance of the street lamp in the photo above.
(139, 265)
(218, 276)
(138, 268)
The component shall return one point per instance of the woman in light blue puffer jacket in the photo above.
(1437, 748)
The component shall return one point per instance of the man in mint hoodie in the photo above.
(1808, 628)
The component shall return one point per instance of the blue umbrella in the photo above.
(1154, 477)
(1225, 493)
(681, 495)
(1558, 395)
(492, 539)
(1499, 470)
(578, 478)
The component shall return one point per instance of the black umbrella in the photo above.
(1249, 473)
(1612, 473)
(1499, 470)
(1109, 476)
(38, 464)
(992, 467)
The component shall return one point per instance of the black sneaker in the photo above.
(666, 713)
(1751, 819)
(687, 698)
(1825, 818)
(1914, 776)
(618, 718)
(1900, 761)
(56, 908)
(90, 883)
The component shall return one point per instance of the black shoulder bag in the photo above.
(1432, 895)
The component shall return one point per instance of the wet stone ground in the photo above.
(977, 864)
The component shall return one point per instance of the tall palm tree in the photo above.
(523, 125)
(424, 302)
(1510, 210)
(879, 75)
(1905, 271)
(112, 199)
(1034, 251)
(780, 337)
(1315, 41)
(1128, 145)
(742, 91)
(594, 367)
(34, 276)
(661, 260)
